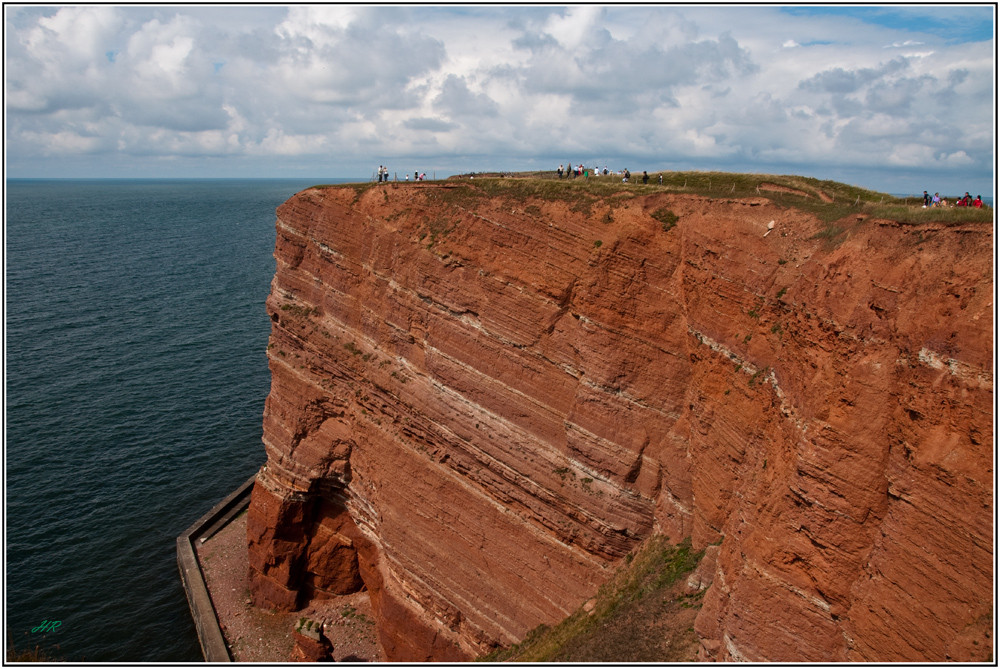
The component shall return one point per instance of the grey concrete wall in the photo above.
(206, 622)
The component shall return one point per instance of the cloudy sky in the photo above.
(896, 98)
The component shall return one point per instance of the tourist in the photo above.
(927, 200)
(559, 171)
(978, 202)
(645, 177)
(936, 200)
(661, 179)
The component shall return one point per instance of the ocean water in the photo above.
(135, 380)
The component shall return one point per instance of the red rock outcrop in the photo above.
(483, 397)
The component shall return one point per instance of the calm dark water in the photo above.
(135, 379)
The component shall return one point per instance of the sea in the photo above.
(135, 377)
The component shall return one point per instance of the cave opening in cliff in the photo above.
(330, 559)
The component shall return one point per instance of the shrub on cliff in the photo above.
(665, 217)
(636, 617)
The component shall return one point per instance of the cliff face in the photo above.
(480, 402)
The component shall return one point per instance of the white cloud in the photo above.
(159, 59)
(670, 86)
(65, 142)
(278, 143)
(958, 159)
(574, 29)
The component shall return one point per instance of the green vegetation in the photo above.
(439, 228)
(828, 200)
(351, 612)
(666, 217)
(759, 376)
(630, 617)
(829, 233)
(298, 310)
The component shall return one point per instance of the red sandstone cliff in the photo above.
(479, 403)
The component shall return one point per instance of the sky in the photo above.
(897, 98)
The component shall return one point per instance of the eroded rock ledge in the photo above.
(480, 402)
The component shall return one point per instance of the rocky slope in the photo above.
(484, 396)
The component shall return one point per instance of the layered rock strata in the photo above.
(484, 396)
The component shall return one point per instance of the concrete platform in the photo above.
(206, 622)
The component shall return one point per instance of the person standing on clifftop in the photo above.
(927, 199)
(645, 177)
(559, 171)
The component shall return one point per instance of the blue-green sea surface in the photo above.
(135, 379)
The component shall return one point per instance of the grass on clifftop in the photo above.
(637, 616)
(827, 200)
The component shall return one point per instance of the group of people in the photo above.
(965, 201)
(580, 170)
(383, 175)
(574, 172)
